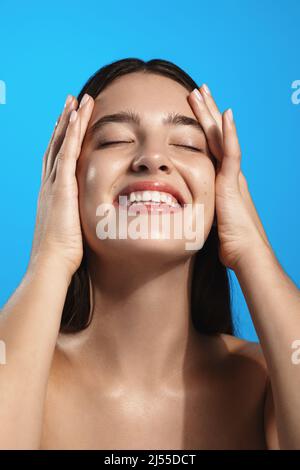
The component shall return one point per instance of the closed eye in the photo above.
(105, 144)
(189, 147)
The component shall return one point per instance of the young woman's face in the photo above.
(150, 150)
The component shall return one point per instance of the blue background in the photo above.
(246, 51)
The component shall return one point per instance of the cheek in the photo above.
(202, 182)
(202, 187)
(95, 178)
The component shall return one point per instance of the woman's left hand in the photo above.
(238, 224)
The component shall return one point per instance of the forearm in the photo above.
(274, 303)
(29, 325)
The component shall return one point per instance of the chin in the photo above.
(146, 251)
(136, 238)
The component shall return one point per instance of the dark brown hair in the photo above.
(210, 289)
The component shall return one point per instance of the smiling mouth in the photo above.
(152, 201)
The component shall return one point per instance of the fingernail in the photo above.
(68, 100)
(84, 100)
(206, 89)
(230, 114)
(73, 116)
(197, 94)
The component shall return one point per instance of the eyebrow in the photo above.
(130, 117)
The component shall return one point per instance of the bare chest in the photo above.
(212, 417)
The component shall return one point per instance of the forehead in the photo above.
(150, 95)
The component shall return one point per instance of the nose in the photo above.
(152, 162)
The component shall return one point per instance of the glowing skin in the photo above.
(140, 376)
(153, 152)
(150, 276)
(141, 361)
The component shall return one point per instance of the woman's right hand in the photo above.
(57, 235)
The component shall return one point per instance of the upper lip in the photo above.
(152, 186)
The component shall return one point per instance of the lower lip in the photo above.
(151, 208)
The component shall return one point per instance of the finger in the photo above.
(208, 123)
(45, 160)
(59, 134)
(69, 152)
(85, 111)
(48, 149)
(70, 104)
(231, 162)
(211, 104)
(63, 170)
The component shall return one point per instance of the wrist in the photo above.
(49, 265)
(256, 252)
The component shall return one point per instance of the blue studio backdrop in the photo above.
(247, 51)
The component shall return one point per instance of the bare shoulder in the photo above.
(251, 350)
(246, 361)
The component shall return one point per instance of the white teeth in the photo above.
(154, 196)
(146, 196)
(169, 200)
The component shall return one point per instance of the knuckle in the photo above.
(57, 140)
(60, 156)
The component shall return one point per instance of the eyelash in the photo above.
(104, 144)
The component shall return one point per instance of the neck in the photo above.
(141, 328)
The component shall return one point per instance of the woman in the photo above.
(123, 343)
